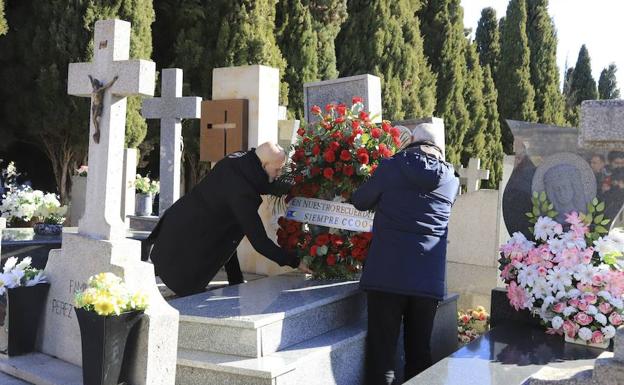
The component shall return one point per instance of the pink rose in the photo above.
(597, 280)
(570, 328)
(559, 306)
(583, 319)
(590, 298)
(597, 337)
(542, 271)
(615, 319)
(605, 308)
(574, 302)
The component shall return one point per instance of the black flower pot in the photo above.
(20, 312)
(103, 344)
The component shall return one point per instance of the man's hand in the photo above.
(304, 268)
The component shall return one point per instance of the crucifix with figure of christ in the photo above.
(108, 80)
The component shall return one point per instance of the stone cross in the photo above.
(473, 175)
(171, 108)
(111, 48)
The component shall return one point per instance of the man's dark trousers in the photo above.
(385, 313)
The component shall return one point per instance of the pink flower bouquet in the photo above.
(568, 273)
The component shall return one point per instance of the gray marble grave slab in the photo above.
(342, 90)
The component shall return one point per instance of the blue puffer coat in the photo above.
(412, 194)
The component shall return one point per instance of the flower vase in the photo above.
(47, 228)
(143, 204)
(579, 341)
(20, 311)
(103, 344)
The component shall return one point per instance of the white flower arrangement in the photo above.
(19, 274)
(26, 204)
(569, 273)
(144, 185)
(108, 295)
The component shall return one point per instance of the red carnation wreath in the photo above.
(331, 159)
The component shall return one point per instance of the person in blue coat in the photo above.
(405, 272)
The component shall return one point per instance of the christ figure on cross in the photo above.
(97, 103)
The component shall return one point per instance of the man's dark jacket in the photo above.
(412, 194)
(199, 233)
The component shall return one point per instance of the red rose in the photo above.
(397, 141)
(376, 133)
(316, 110)
(363, 115)
(314, 171)
(336, 135)
(345, 155)
(375, 154)
(356, 100)
(329, 107)
(341, 109)
(292, 241)
(373, 168)
(343, 253)
(331, 260)
(334, 145)
(358, 131)
(363, 158)
(298, 178)
(385, 125)
(282, 221)
(355, 124)
(328, 173)
(351, 139)
(394, 132)
(301, 132)
(322, 239)
(326, 125)
(339, 120)
(313, 250)
(291, 228)
(316, 150)
(348, 170)
(329, 156)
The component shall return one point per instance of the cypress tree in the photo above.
(487, 38)
(474, 145)
(382, 37)
(3, 23)
(607, 84)
(549, 103)
(443, 34)
(327, 17)
(493, 160)
(140, 13)
(582, 85)
(247, 36)
(298, 43)
(513, 76)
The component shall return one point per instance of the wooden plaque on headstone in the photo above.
(223, 128)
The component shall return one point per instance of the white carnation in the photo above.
(585, 334)
(608, 331)
(557, 322)
(599, 317)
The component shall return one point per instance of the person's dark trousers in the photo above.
(385, 313)
(233, 270)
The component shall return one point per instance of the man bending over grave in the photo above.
(199, 233)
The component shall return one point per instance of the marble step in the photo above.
(334, 358)
(267, 315)
(41, 369)
(8, 380)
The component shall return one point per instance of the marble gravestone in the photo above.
(100, 244)
(342, 90)
(171, 107)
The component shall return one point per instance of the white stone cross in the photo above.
(473, 175)
(171, 108)
(111, 48)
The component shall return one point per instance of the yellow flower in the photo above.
(105, 306)
(139, 301)
(480, 309)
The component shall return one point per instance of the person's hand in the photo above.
(304, 268)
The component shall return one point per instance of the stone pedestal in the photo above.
(152, 360)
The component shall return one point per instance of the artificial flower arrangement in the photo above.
(471, 324)
(144, 185)
(20, 274)
(106, 294)
(332, 158)
(9, 177)
(25, 204)
(568, 273)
